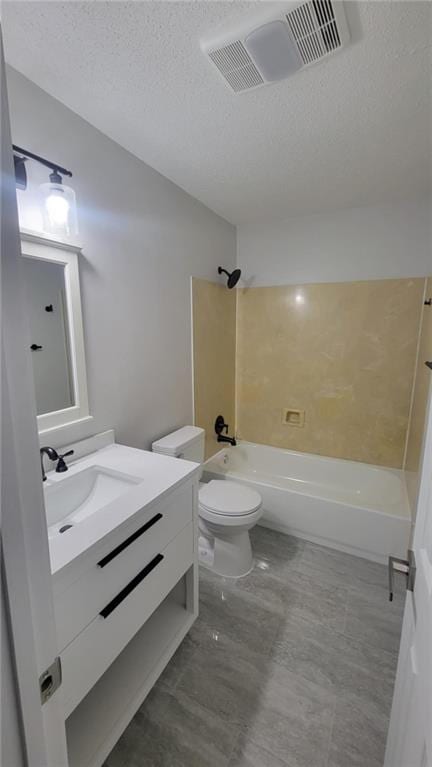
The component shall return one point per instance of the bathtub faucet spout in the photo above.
(223, 438)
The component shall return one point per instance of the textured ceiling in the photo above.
(352, 130)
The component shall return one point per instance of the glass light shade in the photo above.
(58, 210)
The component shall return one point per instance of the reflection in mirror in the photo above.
(50, 334)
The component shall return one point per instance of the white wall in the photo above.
(142, 239)
(384, 241)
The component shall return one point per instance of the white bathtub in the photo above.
(351, 506)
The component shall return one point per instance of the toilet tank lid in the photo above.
(178, 440)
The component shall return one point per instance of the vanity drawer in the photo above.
(88, 656)
(118, 562)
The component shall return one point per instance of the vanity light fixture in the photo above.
(58, 202)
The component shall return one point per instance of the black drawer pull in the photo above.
(131, 586)
(122, 546)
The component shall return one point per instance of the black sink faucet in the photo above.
(53, 455)
(220, 425)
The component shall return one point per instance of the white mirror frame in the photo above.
(35, 245)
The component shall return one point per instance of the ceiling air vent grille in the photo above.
(236, 66)
(278, 42)
(314, 29)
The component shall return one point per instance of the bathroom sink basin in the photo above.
(73, 499)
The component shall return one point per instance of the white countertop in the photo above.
(160, 474)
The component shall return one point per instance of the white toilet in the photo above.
(227, 510)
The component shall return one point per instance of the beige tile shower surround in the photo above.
(419, 404)
(214, 343)
(343, 352)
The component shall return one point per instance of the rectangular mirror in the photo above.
(50, 335)
(51, 282)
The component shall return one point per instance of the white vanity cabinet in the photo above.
(88, 656)
(125, 554)
(122, 608)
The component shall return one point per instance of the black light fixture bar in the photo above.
(52, 165)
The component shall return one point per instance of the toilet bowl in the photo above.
(227, 510)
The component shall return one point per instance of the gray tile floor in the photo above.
(292, 666)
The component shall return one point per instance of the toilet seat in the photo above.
(228, 499)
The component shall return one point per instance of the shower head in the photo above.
(233, 277)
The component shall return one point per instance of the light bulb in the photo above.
(57, 208)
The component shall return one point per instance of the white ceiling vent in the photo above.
(255, 54)
(235, 64)
(314, 29)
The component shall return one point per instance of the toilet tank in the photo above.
(187, 443)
